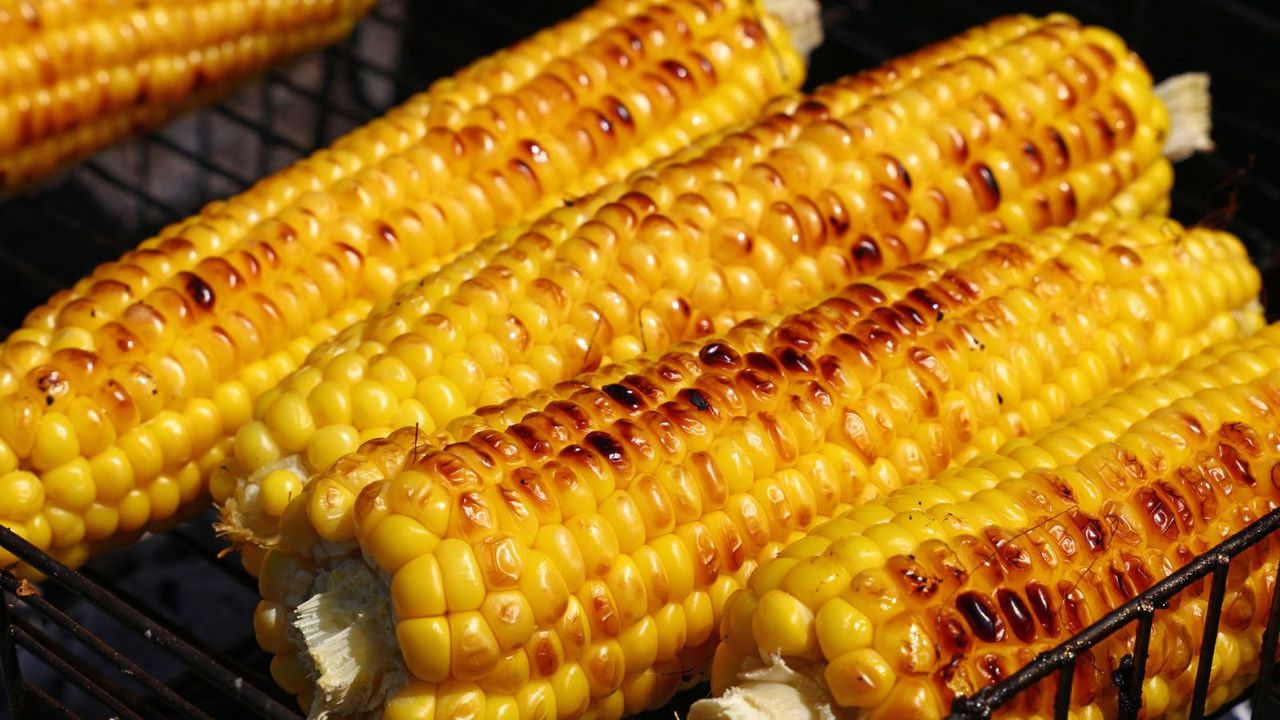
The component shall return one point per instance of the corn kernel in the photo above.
(278, 488)
(55, 442)
(21, 495)
(464, 587)
(425, 645)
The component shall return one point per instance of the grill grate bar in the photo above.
(213, 654)
(1208, 639)
(12, 672)
(1131, 690)
(217, 674)
(1266, 670)
(46, 701)
(126, 666)
(201, 160)
(87, 679)
(1062, 699)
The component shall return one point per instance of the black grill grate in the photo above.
(161, 628)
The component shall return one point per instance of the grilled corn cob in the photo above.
(120, 396)
(579, 558)
(906, 602)
(75, 76)
(870, 172)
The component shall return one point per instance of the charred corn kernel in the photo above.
(821, 382)
(193, 339)
(1082, 532)
(108, 70)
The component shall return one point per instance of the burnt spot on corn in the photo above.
(915, 579)
(1235, 467)
(198, 290)
(866, 254)
(896, 172)
(1074, 611)
(697, 399)
(624, 396)
(1095, 537)
(795, 361)
(992, 668)
(1040, 599)
(608, 448)
(1157, 512)
(985, 187)
(1120, 584)
(474, 512)
(952, 634)
(535, 444)
(981, 616)
(719, 355)
(1242, 436)
(1033, 159)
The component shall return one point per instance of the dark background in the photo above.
(51, 237)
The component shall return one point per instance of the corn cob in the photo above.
(795, 199)
(580, 558)
(75, 76)
(123, 393)
(961, 583)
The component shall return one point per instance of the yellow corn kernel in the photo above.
(398, 539)
(55, 442)
(859, 678)
(21, 495)
(70, 486)
(784, 625)
(278, 488)
(290, 422)
(464, 587)
(416, 700)
(510, 617)
(417, 588)
(425, 645)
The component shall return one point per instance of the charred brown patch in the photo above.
(981, 616)
(720, 355)
(198, 290)
(1154, 509)
(952, 634)
(1237, 468)
(1041, 602)
(795, 361)
(985, 187)
(866, 254)
(624, 396)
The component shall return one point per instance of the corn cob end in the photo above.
(772, 689)
(350, 642)
(803, 20)
(1187, 99)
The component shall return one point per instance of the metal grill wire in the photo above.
(95, 212)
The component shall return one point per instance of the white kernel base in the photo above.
(348, 637)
